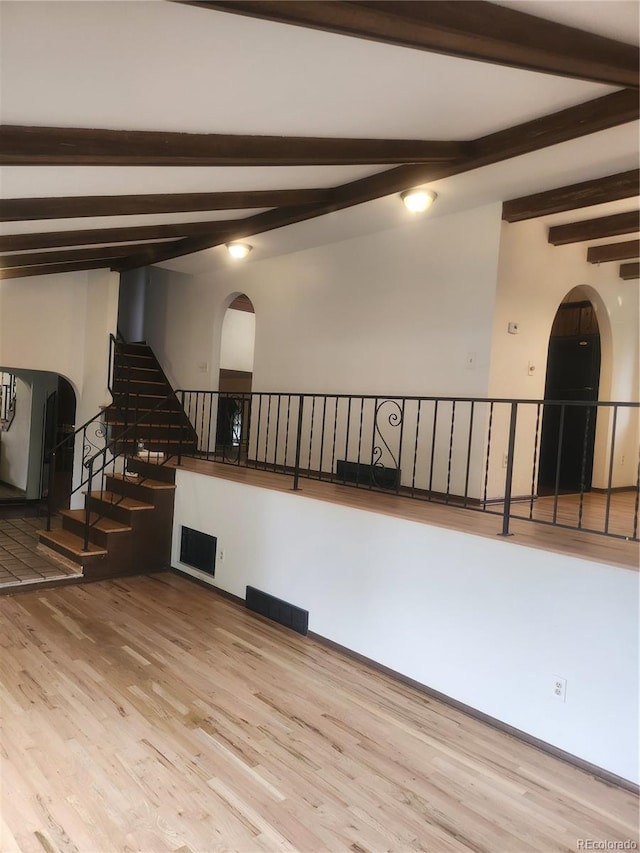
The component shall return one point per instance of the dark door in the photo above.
(568, 432)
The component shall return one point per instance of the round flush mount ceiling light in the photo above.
(238, 250)
(417, 201)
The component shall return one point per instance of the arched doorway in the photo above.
(59, 423)
(236, 376)
(43, 407)
(573, 374)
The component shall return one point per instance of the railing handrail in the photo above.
(123, 433)
(414, 398)
(274, 443)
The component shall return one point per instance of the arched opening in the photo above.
(38, 409)
(60, 416)
(236, 375)
(573, 374)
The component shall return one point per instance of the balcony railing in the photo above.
(562, 463)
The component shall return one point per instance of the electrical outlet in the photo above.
(505, 459)
(221, 555)
(622, 459)
(560, 688)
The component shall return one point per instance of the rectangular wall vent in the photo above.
(378, 476)
(279, 611)
(198, 550)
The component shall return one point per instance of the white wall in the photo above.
(393, 312)
(238, 340)
(61, 323)
(482, 620)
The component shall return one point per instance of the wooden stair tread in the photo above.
(71, 543)
(120, 500)
(148, 483)
(142, 424)
(97, 522)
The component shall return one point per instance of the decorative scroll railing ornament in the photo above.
(94, 440)
(388, 413)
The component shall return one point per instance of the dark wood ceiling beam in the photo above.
(594, 229)
(76, 146)
(585, 194)
(52, 269)
(94, 253)
(87, 237)
(628, 272)
(571, 123)
(613, 252)
(472, 30)
(598, 114)
(22, 209)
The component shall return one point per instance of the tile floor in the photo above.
(20, 560)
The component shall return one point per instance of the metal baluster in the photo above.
(324, 418)
(208, 453)
(87, 510)
(346, 442)
(333, 449)
(266, 441)
(583, 468)
(635, 504)
(556, 485)
(415, 450)
(469, 445)
(535, 461)
(373, 443)
(509, 477)
(453, 421)
(433, 448)
(399, 461)
(611, 459)
(360, 440)
(313, 416)
(486, 470)
(275, 449)
(296, 468)
(286, 435)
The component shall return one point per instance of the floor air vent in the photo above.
(279, 611)
(198, 550)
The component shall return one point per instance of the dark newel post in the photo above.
(180, 432)
(509, 478)
(87, 510)
(296, 470)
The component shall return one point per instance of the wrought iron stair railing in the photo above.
(100, 461)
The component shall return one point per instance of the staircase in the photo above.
(130, 524)
(130, 509)
(142, 395)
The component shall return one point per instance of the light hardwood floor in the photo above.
(151, 715)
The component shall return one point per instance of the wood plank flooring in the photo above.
(148, 714)
(591, 546)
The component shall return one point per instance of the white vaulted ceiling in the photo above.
(172, 67)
